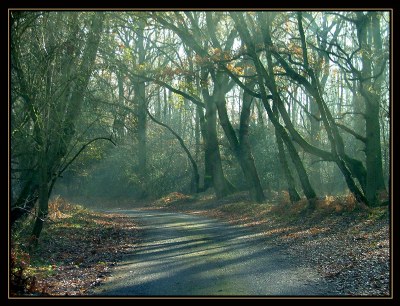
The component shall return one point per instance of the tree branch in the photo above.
(189, 155)
(195, 100)
(81, 149)
(350, 131)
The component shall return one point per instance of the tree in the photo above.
(51, 77)
(215, 100)
(267, 77)
(237, 90)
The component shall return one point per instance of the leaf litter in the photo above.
(77, 250)
(348, 243)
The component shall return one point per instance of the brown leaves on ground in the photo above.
(347, 242)
(77, 249)
(173, 198)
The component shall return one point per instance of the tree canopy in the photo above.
(139, 104)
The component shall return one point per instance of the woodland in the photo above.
(136, 105)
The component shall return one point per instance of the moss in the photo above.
(378, 213)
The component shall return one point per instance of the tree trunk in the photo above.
(119, 116)
(221, 186)
(314, 88)
(25, 201)
(241, 150)
(60, 131)
(43, 208)
(373, 152)
(140, 98)
(301, 171)
(245, 152)
(197, 133)
(294, 155)
(316, 178)
(293, 194)
(207, 180)
(262, 78)
(375, 181)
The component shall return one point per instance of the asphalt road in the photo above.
(190, 255)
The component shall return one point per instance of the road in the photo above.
(190, 255)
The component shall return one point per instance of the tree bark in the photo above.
(245, 150)
(207, 180)
(221, 185)
(141, 103)
(241, 149)
(25, 202)
(293, 194)
(43, 208)
(370, 88)
(119, 116)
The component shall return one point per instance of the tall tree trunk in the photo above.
(141, 102)
(316, 178)
(221, 185)
(375, 181)
(245, 150)
(43, 208)
(119, 117)
(358, 125)
(370, 30)
(197, 133)
(301, 171)
(207, 179)
(294, 155)
(293, 194)
(314, 88)
(61, 132)
(241, 150)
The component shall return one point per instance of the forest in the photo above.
(135, 105)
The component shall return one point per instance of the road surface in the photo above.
(190, 255)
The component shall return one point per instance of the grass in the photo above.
(378, 213)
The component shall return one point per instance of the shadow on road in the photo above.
(186, 255)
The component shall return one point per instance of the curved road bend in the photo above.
(190, 255)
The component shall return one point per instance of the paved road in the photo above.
(190, 255)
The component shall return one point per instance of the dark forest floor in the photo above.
(349, 244)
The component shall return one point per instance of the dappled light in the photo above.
(200, 152)
(198, 253)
